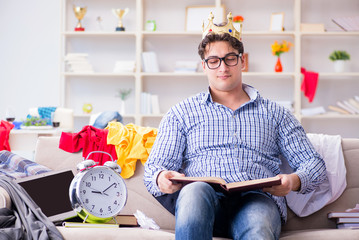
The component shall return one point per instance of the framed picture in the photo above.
(196, 15)
(277, 21)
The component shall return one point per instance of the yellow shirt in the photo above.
(132, 143)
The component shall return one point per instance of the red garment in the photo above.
(5, 128)
(309, 84)
(89, 139)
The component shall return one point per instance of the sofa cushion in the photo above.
(140, 199)
(49, 154)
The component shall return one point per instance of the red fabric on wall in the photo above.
(5, 128)
(89, 139)
(309, 84)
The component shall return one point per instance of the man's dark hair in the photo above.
(211, 38)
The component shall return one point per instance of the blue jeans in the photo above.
(202, 212)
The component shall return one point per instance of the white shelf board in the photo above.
(85, 115)
(201, 74)
(343, 74)
(173, 74)
(245, 33)
(96, 74)
(339, 33)
(98, 34)
(332, 116)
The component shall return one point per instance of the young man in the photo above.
(233, 133)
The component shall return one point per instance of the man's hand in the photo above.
(290, 182)
(165, 185)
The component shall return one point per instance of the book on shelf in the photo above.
(338, 109)
(348, 226)
(149, 103)
(347, 220)
(121, 221)
(354, 103)
(313, 111)
(88, 225)
(349, 105)
(346, 108)
(220, 184)
(150, 63)
(78, 62)
(347, 23)
(125, 221)
(343, 215)
(312, 27)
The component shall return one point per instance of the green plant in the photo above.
(339, 55)
(123, 93)
(34, 121)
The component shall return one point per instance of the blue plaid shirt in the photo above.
(199, 137)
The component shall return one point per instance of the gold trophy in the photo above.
(120, 13)
(79, 14)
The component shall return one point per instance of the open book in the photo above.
(220, 185)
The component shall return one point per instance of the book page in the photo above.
(257, 183)
(216, 180)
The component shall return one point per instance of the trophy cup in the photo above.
(120, 13)
(79, 14)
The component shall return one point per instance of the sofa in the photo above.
(315, 226)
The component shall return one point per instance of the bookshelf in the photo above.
(172, 43)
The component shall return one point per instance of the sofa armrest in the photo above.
(5, 200)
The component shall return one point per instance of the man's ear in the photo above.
(243, 61)
(203, 65)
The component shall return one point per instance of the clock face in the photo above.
(102, 192)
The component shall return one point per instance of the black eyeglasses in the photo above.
(230, 60)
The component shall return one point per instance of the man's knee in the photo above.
(196, 193)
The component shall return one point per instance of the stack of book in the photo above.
(124, 66)
(350, 106)
(150, 63)
(347, 23)
(78, 62)
(149, 103)
(345, 219)
(186, 66)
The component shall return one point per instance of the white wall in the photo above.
(29, 55)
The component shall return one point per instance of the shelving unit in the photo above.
(171, 43)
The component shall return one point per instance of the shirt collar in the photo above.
(251, 92)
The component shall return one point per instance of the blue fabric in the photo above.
(104, 118)
(15, 166)
(202, 212)
(199, 137)
(45, 113)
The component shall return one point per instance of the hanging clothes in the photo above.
(309, 84)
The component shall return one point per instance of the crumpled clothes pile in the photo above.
(132, 143)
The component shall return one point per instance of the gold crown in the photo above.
(228, 28)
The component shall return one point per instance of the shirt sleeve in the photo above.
(300, 153)
(166, 153)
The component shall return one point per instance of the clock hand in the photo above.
(108, 187)
(102, 193)
(96, 191)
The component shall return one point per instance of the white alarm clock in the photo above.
(98, 193)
